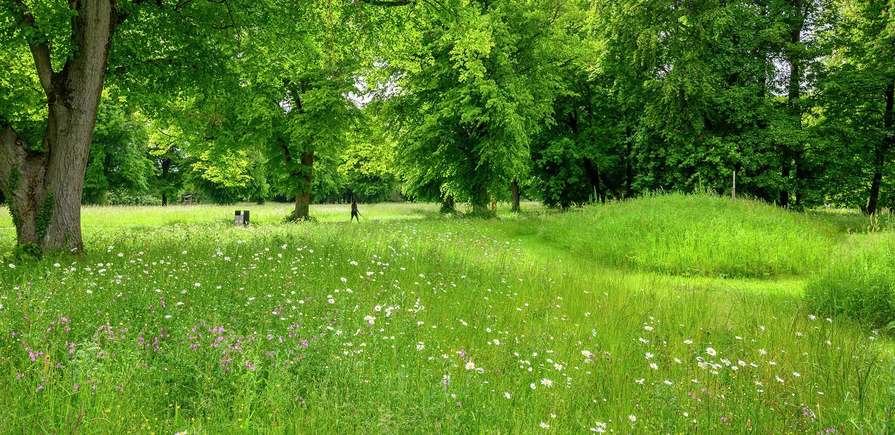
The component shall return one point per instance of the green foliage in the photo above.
(578, 101)
(118, 154)
(228, 170)
(682, 95)
(368, 165)
(563, 177)
(851, 112)
(478, 85)
(126, 197)
(20, 92)
(860, 286)
(284, 103)
(96, 185)
(171, 164)
(689, 85)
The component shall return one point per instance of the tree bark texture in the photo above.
(305, 179)
(44, 182)
(514, 187)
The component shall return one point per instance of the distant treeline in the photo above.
(794, 96)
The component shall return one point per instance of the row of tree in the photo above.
(567, 101)
(583, 101)
(134, 161)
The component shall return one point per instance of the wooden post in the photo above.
(733, 190)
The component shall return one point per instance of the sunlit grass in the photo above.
(697, 235)
(410, 325)
(101, 218)
(860, 284)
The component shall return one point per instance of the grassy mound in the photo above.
(860, 286)
(696, 235)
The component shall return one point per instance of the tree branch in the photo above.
(389, 2)
(40, 50)
(41, 54)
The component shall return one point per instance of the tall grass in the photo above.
(696, 235)
(861, 285)
(436, 325)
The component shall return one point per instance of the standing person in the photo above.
(354, 213)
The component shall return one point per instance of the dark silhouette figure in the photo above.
(354, 213)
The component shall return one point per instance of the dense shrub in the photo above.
(860, 286)
(124, 197)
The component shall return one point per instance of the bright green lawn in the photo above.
(269, 213)
(619, 316)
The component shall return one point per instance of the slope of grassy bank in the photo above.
(860, 284)
(696, 235)
(450, 325)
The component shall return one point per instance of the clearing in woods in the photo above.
(664, 314)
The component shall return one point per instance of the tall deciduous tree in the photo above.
(45, 132)
(857, 99)
(684, 95)
(297, 71)
(475, 85)
(43, 177)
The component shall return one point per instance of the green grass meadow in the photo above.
(666, 314)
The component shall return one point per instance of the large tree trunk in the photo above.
(303, 174)
(447, 204)
(44, 183)
(882, 151)
(22, 175)
(516, 196)
(303, 191)
(593, 174)
(479, 201)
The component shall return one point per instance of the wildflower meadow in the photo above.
(632, 317)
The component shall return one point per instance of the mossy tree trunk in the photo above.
(44, 182)
(479, 202)
(447, 204)
(304, 179)
(514, 187)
